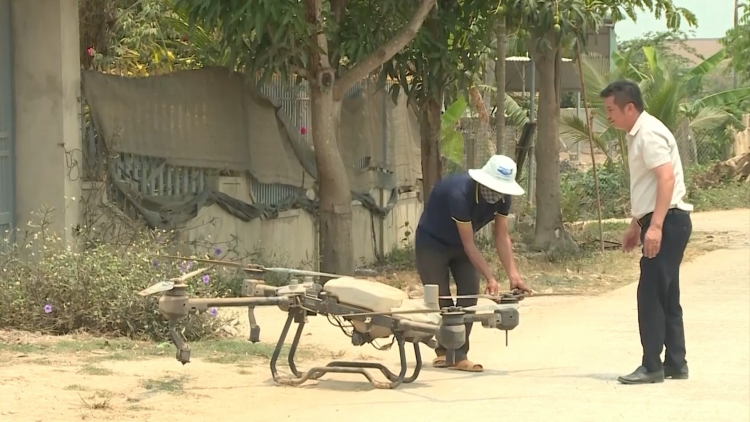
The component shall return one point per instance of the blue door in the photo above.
(7, 176)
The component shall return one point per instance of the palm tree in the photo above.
(669, 93)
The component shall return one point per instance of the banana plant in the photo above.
(515, 115)
(452, 140)
(669, 94)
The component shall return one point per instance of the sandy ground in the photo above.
(561, 364)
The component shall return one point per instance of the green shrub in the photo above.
(578, 193)
(708, 190)
(51, 288)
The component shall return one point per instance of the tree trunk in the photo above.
(429, 133)
(484, 146)
(500, 86)
(549, 233)
(335, 199)
(334, 196)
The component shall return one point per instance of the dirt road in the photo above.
(561, 365)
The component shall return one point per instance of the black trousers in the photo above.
(434, 265)
(659, 310)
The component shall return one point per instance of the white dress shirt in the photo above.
(651, 144)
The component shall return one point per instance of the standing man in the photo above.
(661, 222)
(458, 206)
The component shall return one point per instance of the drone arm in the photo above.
(502, 319)
(420, 327)
(202, 304)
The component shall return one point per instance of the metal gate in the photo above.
(7, 173)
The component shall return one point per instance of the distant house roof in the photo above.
(705, 47)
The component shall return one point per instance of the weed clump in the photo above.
(50, 287)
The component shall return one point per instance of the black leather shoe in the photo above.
(642, 376)
(676, 373)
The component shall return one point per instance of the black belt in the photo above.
(647, 218)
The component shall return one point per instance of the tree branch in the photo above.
(299, 71)
(384, 53)
(338, 7)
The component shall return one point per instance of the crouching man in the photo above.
(459, 206)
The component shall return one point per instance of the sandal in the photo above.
(439, 362)
(468, 366)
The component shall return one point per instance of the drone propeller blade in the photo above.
(206, 261)
(302, 272)
(535, 294)
(162, 286)
(513, 294)
(186, 276)
(254, 267)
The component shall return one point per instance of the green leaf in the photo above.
(452, 141)
(709, 118)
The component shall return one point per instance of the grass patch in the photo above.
(94, 370)
(138, 408)
(239, 351)
(95, 350)
(167, 384)
(725, 196)
(99, 400)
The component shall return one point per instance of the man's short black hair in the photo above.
(624, 92)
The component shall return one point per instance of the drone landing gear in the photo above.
(341, 367)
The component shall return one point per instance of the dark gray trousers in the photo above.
(659, 310)
(434, 266)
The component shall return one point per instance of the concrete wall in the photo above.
(292, 238)
(289, 240)
(47, 107)
(7, 174)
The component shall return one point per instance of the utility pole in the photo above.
(501, 40)
(736, 24)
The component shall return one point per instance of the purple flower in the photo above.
(155, 263)
(217, 251)
(186, 266)
(206, 279)
(47, 308)
(213, 312)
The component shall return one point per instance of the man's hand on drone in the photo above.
(517, 284)
(492, 287)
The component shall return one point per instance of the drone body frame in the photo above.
(302, 300)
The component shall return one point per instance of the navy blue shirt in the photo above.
(456, 198)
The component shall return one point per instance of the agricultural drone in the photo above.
(365, 310)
